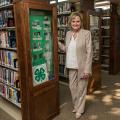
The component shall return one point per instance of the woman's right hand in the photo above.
(61, 46)
(86, 76)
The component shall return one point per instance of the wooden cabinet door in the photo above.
(36, 25)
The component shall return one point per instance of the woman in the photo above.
(78, 50)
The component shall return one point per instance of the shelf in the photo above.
(61, 40)
(7, 28)
(2, 81)
(62, 26)
(105, 27)
(60, 52)
(104, 71)
(10, 49)
(6, 6)
(62, 64)
(107, 36)
(94, 28)
(105, 55)
(14, 69)
(105, 17)
(105, 65)
(106, 46)
(64, 13)
(61, 75)
(17, 104)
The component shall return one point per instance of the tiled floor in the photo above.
(104, 104)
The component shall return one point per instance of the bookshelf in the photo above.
(63, 12)
(9, 76)
(92, 23)
(109, 28)
(105, 42)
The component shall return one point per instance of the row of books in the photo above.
(63, 20)
(66, 6)
(95, 43)
(61, 69)
(105, 41)
(94, 21)
(105, 32)
(105, 51)
(8, 58)
(62, 33)
(6, 18)
(10, 77)
(62, 59)
(7, 39)
(10, 93)
(105, 60)
(5, 2)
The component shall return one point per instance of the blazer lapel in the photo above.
(69, 38)
(79, 37)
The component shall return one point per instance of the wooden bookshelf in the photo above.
(9, 80)
(92, 22)
(64, 10)
(110, 54)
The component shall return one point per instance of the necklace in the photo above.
(74, 35)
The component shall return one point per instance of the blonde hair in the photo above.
(72, 16)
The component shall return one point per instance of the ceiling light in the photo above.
(62, 0)
(102, 2)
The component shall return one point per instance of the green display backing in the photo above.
(41, 42)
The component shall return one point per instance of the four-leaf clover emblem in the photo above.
(39, 74)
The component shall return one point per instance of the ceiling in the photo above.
(113, 1)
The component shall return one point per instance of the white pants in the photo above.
(78, 90)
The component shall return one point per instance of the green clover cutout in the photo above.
(39, 74)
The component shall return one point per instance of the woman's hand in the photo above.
(86, 76)
(61, 46)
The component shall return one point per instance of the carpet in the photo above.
(5, 116)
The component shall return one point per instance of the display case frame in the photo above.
(43, 95)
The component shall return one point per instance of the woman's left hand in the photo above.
(86, 76)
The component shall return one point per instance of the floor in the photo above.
(5, 116)
(8, 111)
(104, 104)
